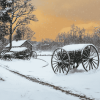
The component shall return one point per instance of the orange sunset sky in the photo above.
(56, 16)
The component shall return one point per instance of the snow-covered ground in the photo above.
(78, 80)
(44, 53)
(18, 88)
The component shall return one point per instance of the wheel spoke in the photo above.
(56, 56)
(94, 56)
(62, 70)
(54, 63)
(64, 56)
(64, 65)
(61, 53)
(84, 60)
(95, 63)
(91, 65)
(85, 55)
(87, 50)
(56, 69)
(59, 69)
(95, 59)
(65, 69)
(91, 50)
(92, 53)
(85, 63)
(55, 66)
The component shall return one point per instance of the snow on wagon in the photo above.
(72, 55)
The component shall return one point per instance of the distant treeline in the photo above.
(74, 36)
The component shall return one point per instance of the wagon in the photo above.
(71, 56)
(7, 56)
(19, 53)
(23, 53)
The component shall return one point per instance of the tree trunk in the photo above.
(10, 39)
(11, 24)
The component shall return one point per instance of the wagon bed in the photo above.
(75, 47)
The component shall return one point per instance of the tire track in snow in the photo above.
(33, 79)
(44, 61)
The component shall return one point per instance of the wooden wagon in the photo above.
(23, 53)
(19, 53)
(63, 59)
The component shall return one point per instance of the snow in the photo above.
(75, 47)
(9, 1)
(78, 80)
(8, 8)
(18, 88)
(44, 53)
(4, 11)
(16, 43)
(9, 53)
(18, 49)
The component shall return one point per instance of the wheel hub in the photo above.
(91, 59)
(60, 62)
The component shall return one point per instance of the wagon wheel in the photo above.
(24, 57)
(28, 57)
(14, 56)
(34, 54)
(8, 58)
(60, 61)
(90, 58)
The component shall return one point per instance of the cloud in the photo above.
(56, 16)
(81, 9)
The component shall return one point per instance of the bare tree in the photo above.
(17, 12)
(24, 32)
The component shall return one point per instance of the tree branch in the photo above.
(16, 27)
(15, 20)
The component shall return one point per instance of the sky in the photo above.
(57, 16)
